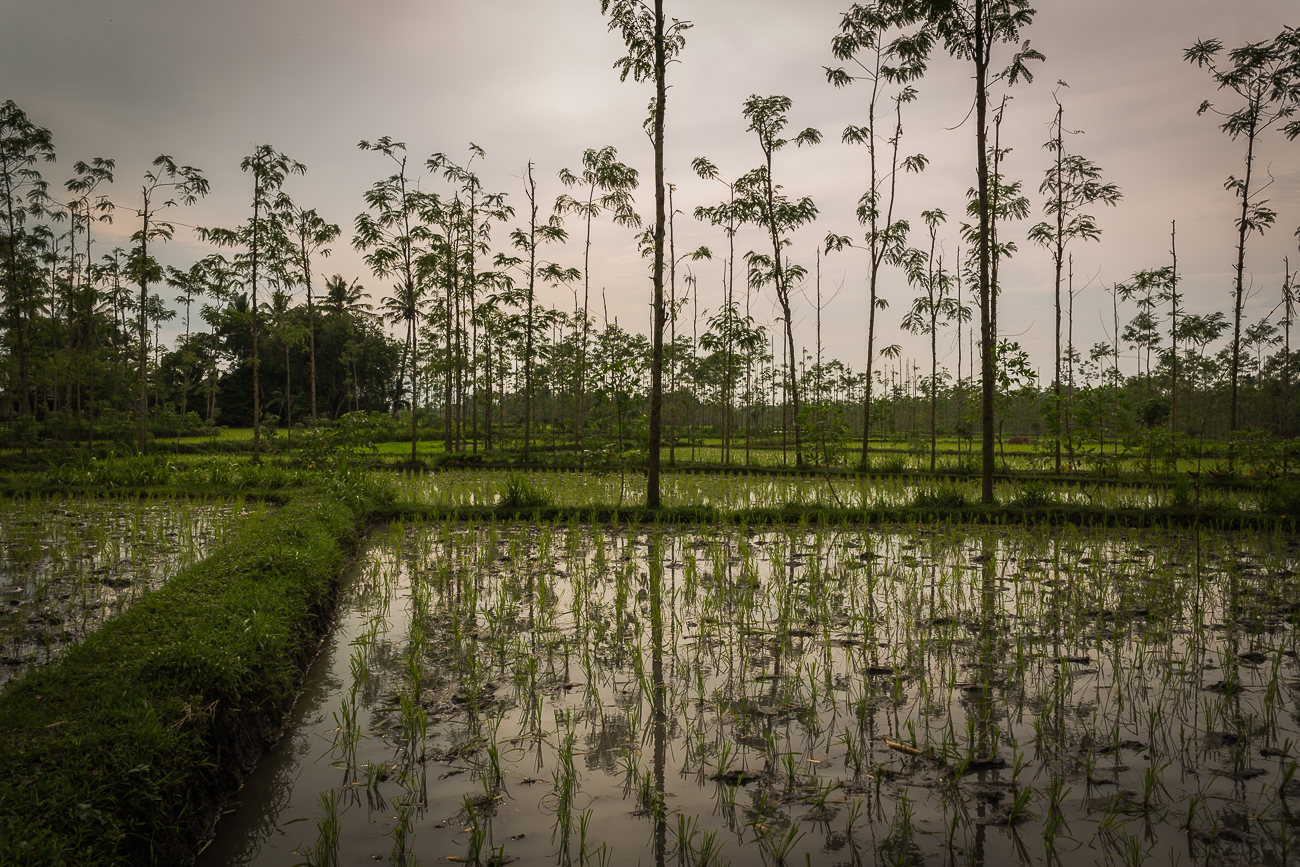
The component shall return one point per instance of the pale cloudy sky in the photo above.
(532, 80)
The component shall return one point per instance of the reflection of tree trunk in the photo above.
(987, 747)
(659, 720)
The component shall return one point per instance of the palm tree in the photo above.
(279, 308)
(310, 233)
(405, 305)
(343, 299)
(157, 313)
(191, 284)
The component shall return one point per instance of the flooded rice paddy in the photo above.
(574, 694)
(461, 488)
(67, 564)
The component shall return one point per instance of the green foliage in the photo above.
(358, 489)
(108, 756)
(942, 497)
(132, 471)
(519, 492)
(1154, 411)
(885, 464)
(1258, 453)
(966, 464)
(172, 424)
(268, 431)
(828, 432)
(1282, 498)
(1035, 495)
(328, 445)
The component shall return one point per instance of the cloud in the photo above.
(206, 82)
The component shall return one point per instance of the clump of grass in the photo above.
(942, 497)
(1181, 496)
(1280, 499)
(885, 464)
(964, 465)
(1035, 495)
(519, 492)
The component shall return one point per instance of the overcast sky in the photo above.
(532, 80)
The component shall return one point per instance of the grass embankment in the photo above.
(121, 752)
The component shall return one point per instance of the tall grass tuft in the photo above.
(519, 492)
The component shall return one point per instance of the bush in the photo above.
(459, 459)
(885, 464)
(1035, 495)
(132, 471)
(964, 466)
(330, 445)
(168, 424)
(943, 497)
(1282, 498)
(520, 493)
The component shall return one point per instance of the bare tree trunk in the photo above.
(144, 330)
(1057, 262)
(987, 337)
(1238, 291)
(1173, 341)
(657, 351)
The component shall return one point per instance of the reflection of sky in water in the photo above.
(70, 563)
(454, 488)
(851, 674)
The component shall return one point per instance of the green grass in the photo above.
(423, 447)
(223, 433)
(119, 753)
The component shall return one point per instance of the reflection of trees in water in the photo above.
(606, 741)
(775, 646)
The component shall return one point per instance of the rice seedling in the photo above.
(324, 853)
(793, 662)
(69, 563)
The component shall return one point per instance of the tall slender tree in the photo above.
(1265, 76)
(1071, 184)
(310, 234)
(936, 302)
(763, 204)
(393, 238)
(265, 241)
(23, 193)
(528, 242)
(608, 185)
(191, 283)
(476, 210)
(652, 44)
(84, 210)
(873, 37)
(725, 215)
(970, 30)
(187, 185)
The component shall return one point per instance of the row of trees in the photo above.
(476, 339)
